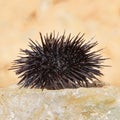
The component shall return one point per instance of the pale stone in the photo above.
(67, 104)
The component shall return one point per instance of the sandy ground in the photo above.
(20, 20)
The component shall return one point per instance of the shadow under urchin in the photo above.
(59, 62)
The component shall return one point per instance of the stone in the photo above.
(67, 104)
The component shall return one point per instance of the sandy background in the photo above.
(23, 19)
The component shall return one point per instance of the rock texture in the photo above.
(68, 104)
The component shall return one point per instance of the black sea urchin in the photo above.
(60, 62)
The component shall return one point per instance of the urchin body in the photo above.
(59, 62)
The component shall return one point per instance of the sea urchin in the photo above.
(59, 62)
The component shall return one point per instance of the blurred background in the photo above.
(23, 19)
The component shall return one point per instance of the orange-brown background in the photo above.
(23, 19)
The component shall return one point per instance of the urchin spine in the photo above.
(60, 62)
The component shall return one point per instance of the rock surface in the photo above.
(68, 104)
